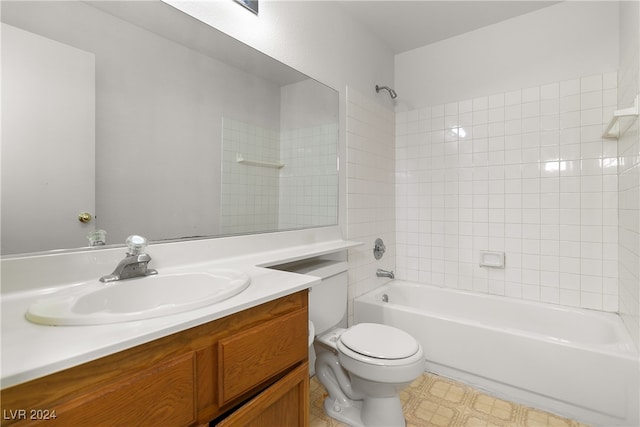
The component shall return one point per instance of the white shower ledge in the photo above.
(30, 351)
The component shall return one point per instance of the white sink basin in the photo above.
(95, 303)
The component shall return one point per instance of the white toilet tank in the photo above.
(328, 299)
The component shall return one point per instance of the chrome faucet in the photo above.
(384, 273)
(135, 263)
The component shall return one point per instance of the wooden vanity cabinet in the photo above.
(249, 368)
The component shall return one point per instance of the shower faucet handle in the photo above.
(379, 248)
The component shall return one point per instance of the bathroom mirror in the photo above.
(135, 118)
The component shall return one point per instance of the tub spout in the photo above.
(384, 273)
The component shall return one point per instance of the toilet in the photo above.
(364, 371)
(364, 367)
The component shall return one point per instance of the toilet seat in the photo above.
(367, 344)
(378, 369)
(379, 341)
(343, 350)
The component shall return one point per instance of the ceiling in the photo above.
(405, 25)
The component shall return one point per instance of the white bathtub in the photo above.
(577, 363)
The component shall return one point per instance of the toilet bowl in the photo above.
(364, 368)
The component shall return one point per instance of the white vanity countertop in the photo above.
(30, 351)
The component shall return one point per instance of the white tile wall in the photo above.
(309, 179)
(629, 171)
(370, 191)
(303, 193)
(249, 194)
(525, 172)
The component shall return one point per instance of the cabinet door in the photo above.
(162, 395)
(249, 358)
(284, 404)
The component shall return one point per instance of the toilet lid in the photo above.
(379, 341)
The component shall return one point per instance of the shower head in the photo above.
(392, 92)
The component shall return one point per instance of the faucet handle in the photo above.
(136, 244)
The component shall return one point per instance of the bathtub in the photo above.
(573, 362)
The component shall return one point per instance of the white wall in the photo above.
(322, 41)
(316, 38)
(307, 104)
(560, 42)
(629, 170)
(158, 142)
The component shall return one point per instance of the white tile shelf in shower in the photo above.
(613, 129)
(244, 161)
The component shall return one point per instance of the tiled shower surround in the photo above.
(629, 171)
(524, 172)
(370, 191)
(249, 193)
(300, 191)
(309, 157)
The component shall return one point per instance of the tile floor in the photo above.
(440, 402)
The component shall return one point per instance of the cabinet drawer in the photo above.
(285, 403)
(257, 354)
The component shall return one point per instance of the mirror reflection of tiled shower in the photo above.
(275, 180)
(250, 171)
